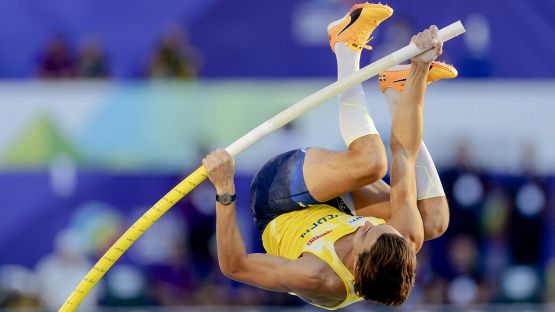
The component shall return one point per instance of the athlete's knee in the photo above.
(370, 159)
(370, 168)
(436, 218)
(435, 227)
(378, 166)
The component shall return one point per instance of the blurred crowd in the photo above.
(496, 247)
(173, 58)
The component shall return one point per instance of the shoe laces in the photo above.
(361, 33)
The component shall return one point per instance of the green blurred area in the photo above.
(134, 125)
(39, 144)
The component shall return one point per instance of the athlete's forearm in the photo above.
(415, 86)
(220, 167)
(407, 121)
(230, 245)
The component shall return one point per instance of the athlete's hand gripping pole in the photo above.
(199, 175)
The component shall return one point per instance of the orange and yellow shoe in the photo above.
(396, 78)
(357, 26)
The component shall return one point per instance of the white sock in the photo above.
(354, 120)
(428, 183)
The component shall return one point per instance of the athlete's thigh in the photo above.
(329, 174)
(373, 200)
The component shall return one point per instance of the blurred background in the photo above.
(106, 105)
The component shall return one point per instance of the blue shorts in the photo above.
(279, 188)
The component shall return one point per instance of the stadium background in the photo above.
(104, 106)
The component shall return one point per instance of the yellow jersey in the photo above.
(315, 229)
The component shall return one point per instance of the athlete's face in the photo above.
(366, 235)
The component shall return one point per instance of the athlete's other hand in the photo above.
(427, 40)
(221, 169)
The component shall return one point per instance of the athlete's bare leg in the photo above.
(329, 174)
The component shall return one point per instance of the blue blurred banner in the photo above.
(252, 38)
(97, 207)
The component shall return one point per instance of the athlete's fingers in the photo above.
(208, 166)
(216, 157)
(438, 46)
(434, 31)
(413, 39)
(225, 157)
(427, 38)
(421, 40)
(209, 162)
(222, 154)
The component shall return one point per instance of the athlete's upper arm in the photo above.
(274, 273)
